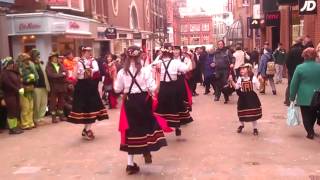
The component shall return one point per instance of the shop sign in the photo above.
(287, 2)
(111, 33)
(308, 7)
(78, 27)
(123, 36)
(272, 18)
(137, 35)
(26, 26)
(254, 23)
(256, 11)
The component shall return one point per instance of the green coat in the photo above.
(306, 79)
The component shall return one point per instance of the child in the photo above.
(249, 106)
(111, 73)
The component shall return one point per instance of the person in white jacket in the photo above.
(240, 58)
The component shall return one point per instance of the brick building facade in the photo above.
(195, 30)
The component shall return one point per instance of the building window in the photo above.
(115, 7)
(195, 39)
(194, 27)
(148, 12)
(205, 39)
(184, 40)
(133, 18)
(205, 27)
(184, 28)
(76, 5)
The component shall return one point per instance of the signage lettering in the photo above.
(74, 25)
(307, 7)
(272, 18)
(28, 26)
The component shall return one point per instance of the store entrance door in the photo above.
(105, 48)
(275, 37)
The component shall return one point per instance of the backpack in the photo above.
(271, 67)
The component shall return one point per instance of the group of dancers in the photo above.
(156, 99)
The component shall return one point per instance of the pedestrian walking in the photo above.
(304, 83)
(41, 88)
(240, 57)
(209, 71)
(196, 76)
(29, 77)
(141, 133)
(223, 60)
(249, 105)
(57, 75)
(170, 102)
(294, 58)
(279, 56)
(12, 89)
(87, 106)
(267, 70)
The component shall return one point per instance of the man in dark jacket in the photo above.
(12, 89)
(209, 72)
(223, 61)
(294, 58)
(202, 59)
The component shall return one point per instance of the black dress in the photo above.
(144, 133)
(87, 106)
(171, 105)
(249, 105)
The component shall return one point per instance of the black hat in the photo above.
(134, 51)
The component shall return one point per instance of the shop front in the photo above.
(48, 32)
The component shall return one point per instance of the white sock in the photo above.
(87, 127)
(254, 124)
(130, 160)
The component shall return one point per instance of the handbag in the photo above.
(294, 115)
(315, 102)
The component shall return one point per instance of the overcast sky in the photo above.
(208, 5)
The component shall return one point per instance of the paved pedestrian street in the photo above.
(209, 148)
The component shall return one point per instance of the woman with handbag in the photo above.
(87, 106)
(303, 85)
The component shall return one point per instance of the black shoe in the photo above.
(240, 128)
(147, 158)
(255, 132)
(15, 131)
(84, 132)
(262, 92)
(216, 99)
(178, 132)
(226, 102)
(310, 136)
(274, 92)
(132, 169)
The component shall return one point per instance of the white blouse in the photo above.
(186, 61)
(88, 64)
(255, 82)
(144, 79)
(175, 67)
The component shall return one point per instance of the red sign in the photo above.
(58, 2)
(272, 18)
(28, 26)
(74, 25)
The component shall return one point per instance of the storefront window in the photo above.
(205, 27)
(184, 40)
(184, 28)
(29, 42)
(195, 40)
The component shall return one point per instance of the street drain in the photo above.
(252, 163)
(314, 177)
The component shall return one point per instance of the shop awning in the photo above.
(234, 33)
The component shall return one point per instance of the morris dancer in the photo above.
(140, 129)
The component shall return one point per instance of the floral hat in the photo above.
(133, 51)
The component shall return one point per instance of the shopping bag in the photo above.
(294, 115)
